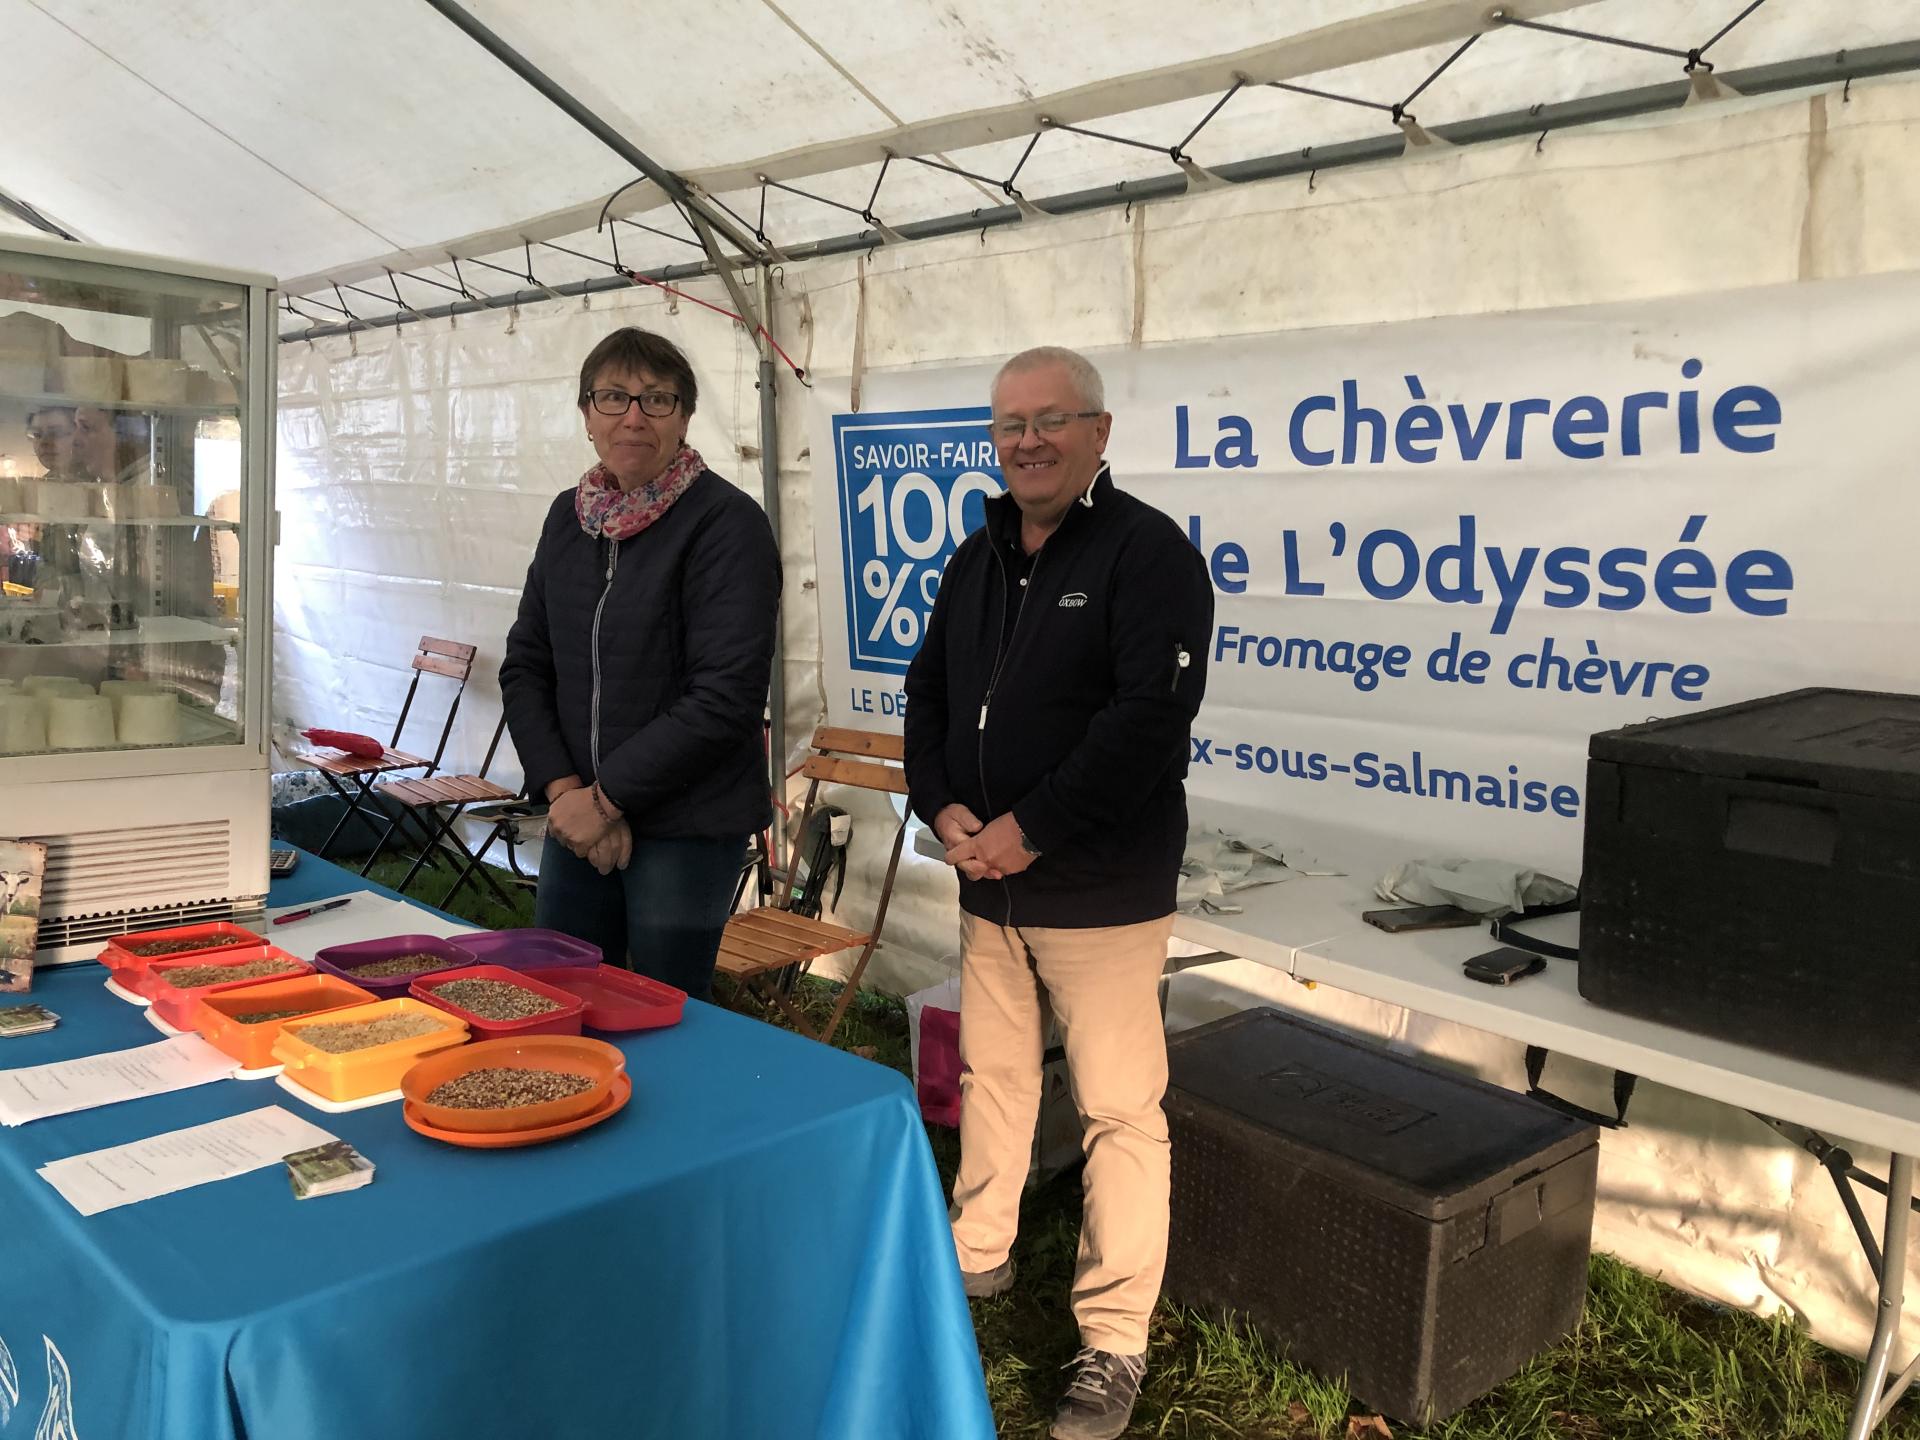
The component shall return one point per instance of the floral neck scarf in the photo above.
(607, 510)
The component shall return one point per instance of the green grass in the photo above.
(475, 901)
(1647, 1363)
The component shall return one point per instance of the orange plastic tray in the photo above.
(508, 1139)
(595, 1059)
(360, 1073)
(252, 1045)
(181, 1008)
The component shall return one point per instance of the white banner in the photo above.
(1445, 553)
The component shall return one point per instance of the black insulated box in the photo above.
(1753, 873)
(1417, 1232)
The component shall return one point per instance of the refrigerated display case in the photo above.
(136, 517)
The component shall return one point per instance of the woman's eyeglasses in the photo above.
(657, 403)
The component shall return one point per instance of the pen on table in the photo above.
(311, 910)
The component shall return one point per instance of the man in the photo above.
(98, 444)
(1046, 742)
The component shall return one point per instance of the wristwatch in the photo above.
(1026, 844)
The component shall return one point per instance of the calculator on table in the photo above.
(281, 860)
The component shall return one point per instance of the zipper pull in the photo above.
(610, 545)
(1181, 660)
(983, 717)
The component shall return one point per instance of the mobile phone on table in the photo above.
(1504, 966)
(281, 860)
(1420, 917)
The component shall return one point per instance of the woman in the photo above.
(635, 678)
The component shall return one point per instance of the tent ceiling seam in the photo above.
(853, 81)
(856, 83)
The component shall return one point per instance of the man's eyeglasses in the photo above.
(1051, 423)
(657, 403)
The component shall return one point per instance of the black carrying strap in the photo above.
(1504, 932)
(824, 860)
(1623, 1084)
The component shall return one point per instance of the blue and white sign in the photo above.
(910, 486)
(1445, 553)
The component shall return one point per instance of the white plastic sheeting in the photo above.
(415, 469)
(318, 141)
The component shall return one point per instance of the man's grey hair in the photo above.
(1086, 379)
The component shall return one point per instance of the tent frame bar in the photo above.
(1410, 25)
(1808, 72)
(21, 210)
(697, 204)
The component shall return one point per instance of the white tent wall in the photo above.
(1738, 194)
(416, 465)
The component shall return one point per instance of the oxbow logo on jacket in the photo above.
(1073, 601)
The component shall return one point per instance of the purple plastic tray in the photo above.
(340, 959)
(530, 949)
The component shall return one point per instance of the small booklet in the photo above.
(26, 1019)
(328, 1169)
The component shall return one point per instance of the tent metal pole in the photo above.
(749, 312)
(770, 500)
(21, 210)
(569, 105)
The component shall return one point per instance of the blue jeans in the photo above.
(661, 916)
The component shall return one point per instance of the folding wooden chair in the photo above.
(340, 770)
(437, 801)
(516, 821)
(765, 945)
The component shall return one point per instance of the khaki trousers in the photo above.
(1103, 988)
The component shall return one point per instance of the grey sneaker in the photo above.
(1099, 1399)
(985, 1284)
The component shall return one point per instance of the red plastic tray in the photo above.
(130, 970)
(564, 1021)
(181, 1008)
(618, 999)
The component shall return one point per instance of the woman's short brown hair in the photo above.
(631, 348)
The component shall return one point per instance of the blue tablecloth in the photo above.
(756, 1246)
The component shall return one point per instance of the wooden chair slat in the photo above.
(339, 762)
(440, 665)
(757, 948)
(865, 774)
(453, 649)
(872, 743)
(798, 928)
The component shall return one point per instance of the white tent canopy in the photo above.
(332, 143)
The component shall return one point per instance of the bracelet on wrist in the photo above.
(601, 804)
